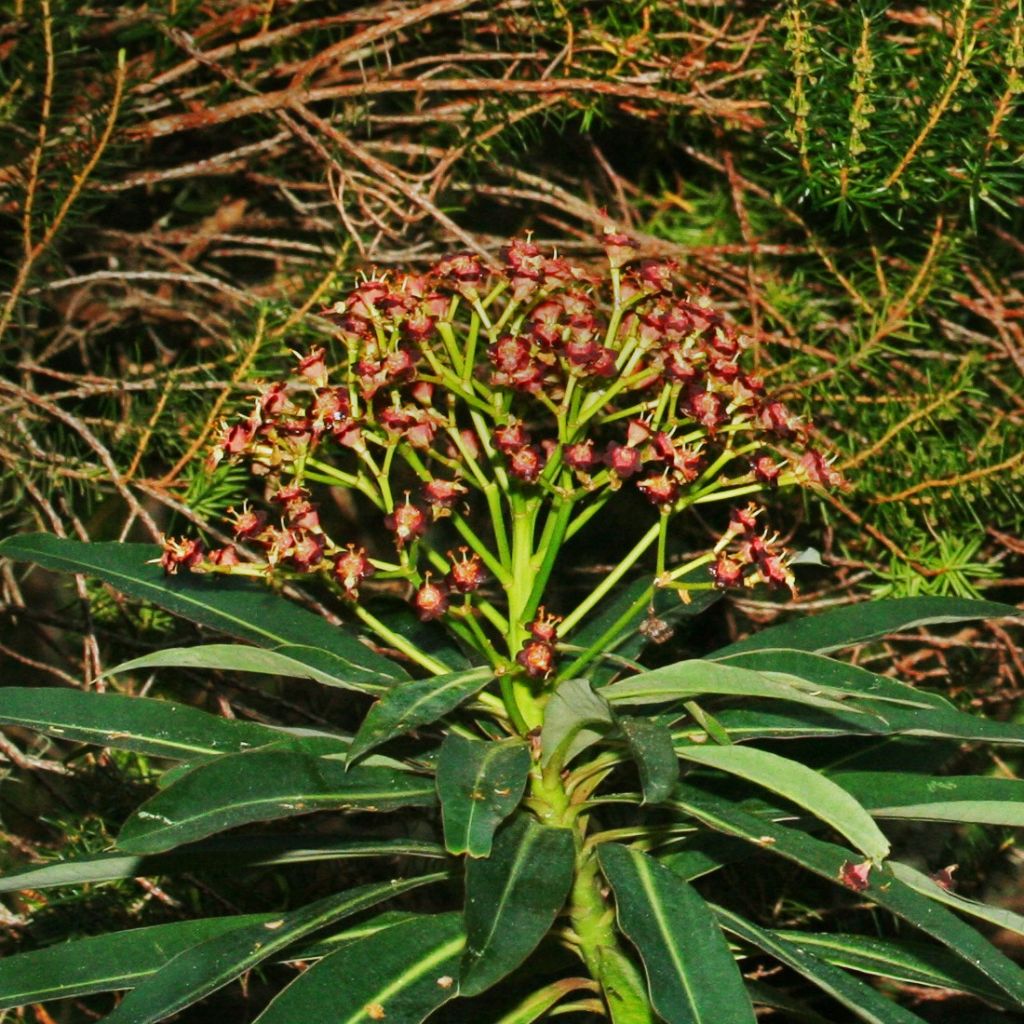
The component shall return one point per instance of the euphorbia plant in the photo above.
(481, 420)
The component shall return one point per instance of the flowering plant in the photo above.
(479, 421)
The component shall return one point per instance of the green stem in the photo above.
(399, 643)
(602, 589)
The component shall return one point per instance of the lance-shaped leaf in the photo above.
(687, 679)
(1001, 917)
(248, 611)
(196, 972)
(537, 1004)
(512, 899)
(399, 976)
(703, 854)
(105, 963)
(158, 728)
(773, 719)
(916, 963)
(226, 853)
(650, 744)
(288, 660)
(884, 888)
(409, 705)
(261, 786)
(574, 718)
(844, 627)
(943, 798)
(804, 786)
(836, 675)
(691, 975)
(861, 999)
(479, 784)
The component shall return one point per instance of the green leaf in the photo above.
(399, 976)
(861, 999)
(237, 607)
(837, 675)
(479, 785)
(778, 720)
(943, 798)
(627, 641)
(703, 854)
(844, 627)
(536, 1004)
(650, 744)
(803, 786)
(571, 708)
(196, 972)
(512, 899)
(420, 702)
(884, 888)
(105, 963)
(915, 963)
(261, 786)
(686, 679)
(1001, 917)
(231, 853)
(286, 660)
(691, 975)
(158, 728)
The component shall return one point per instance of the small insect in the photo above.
(656, 630)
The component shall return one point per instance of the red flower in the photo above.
(580, 456)
(407, 523)
(351, 568)
(538, 658)
(855, 876)
(185, 553)
(466, 573)
(247, 523)
(526, 463)
(314, 365)
(307, 550)
(511, 437)
(442, 494)
(622, 460)
(545, 626)
(765, 469)
(227, 556)
(660, 490)
(619, 248)
(727, 572)
(431, 601)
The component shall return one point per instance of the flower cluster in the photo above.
(486, 398)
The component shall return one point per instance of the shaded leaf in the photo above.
(884, 888)
(844, 627)
(686, 679)
(420, 702)
(512, 898)
(941, 798)
(536, 1004)
(286, 660)
(861, 999)
(803, 786)
(773, 719)
(570, 710)
(105, 963)
(158, 728)
(230, 853)
(262, 786)
(248, 611)
(915, 963)
(852, 679)
(691, 975)
(1001, 917)
(479, 785)
(196, 972)
(399, 975)
(650, 744)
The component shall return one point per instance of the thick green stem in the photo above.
(590, 913)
